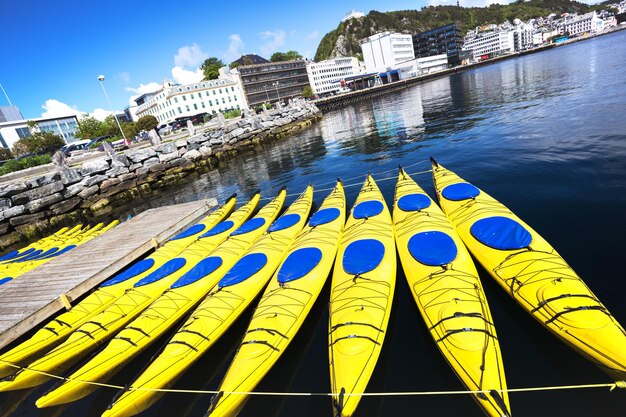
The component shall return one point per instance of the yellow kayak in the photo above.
(59, 328)
(285, 304)
(166, 309)
(118, 314)
(62, 233)
(446, 288)
(224, 303)
(50, 250)
(361, 295)
(532, 272)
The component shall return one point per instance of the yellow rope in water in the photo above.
(610, 385)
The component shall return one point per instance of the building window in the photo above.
(213, 92)
(175, 99)
(207, 93)
(223, 101)
(184, 97)
(187, 107)
(192, 96)
(203, 105)
(210, 102)
(22, 132)
(179, 111)
(232, 88)
(195, 106)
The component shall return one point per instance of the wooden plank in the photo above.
(31, 299)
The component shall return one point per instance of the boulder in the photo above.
(72, 190)
(192, 155)
(140, 155)
(127, 177)
(151, 161)
(5, 203)
(11, 212)
(70, 176)
(89, 191)
(96, 179)
(95, 166)
(8, 190)
(134, 167)
(158, 167)
(166, 157)
(65, 206)
(206, 151)
(39, 192)
(181, 143)
(109, 182)
(116, 171)
(34, 206)
(167, 148)
(237, 132)
(27, 218)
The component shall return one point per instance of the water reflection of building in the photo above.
(348, 123)
(391, 123)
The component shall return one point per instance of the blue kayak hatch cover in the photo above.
(5, 280)
(284, 222)
(501, 233)
(199, 271)
(367, 209)
(139, 268)
(219, 228)
(324, 216)
(244, 269)
(432, 248)
(195, 229)
(413, 202)
(249, 226)
(298, 264)
(168, 268)
(460, 191)
(363, 256)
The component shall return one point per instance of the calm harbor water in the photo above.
(545, 134)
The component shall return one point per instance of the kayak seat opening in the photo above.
(139, 268)
(168, 268)
(249, 226)
(195, 229)
(324, 216)
(284, 222)
(413, 202)
(459, 192)
(501, 233)
(201, 270)
(363, 256)
(298, 264)
(367, 209)
(432, 248)
(244, 269)
(219, 228)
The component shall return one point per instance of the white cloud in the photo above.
(274, 40)
(144, 88)
(54, 108)
(312, 36)
(235, 48)
(189, 56)
(100, 114)
(124, 76)
(184, 76)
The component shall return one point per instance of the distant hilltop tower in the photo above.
(352, 15)
(458, 3)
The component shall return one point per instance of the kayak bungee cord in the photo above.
(611, 385)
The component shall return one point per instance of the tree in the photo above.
(90, 127)
(286, 56)
(147, 123)
(5, 153)
(234, 64)
(307, 92)
(38, 142)
(210, 67)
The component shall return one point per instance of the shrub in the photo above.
(23, 163)
(232, 113)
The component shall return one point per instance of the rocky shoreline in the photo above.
(36, 207)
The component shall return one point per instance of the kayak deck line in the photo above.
(77, 272)
(610, 385)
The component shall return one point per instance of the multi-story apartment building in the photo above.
(385, 50)
(577, 25)
(174, 101)
(325, 76)
(64, 126)
(488, 44)
(273, 81)
(442, 40)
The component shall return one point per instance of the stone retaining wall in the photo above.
(35, 207)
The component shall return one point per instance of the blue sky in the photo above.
(53, 51)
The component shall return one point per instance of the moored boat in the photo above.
(449, 295)
(532, 272)
(284, 305)
(362, 289)
(205, 269)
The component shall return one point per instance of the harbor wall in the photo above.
(36, 207)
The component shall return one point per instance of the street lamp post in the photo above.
(276, 85)
(266, 93)
(101, 79)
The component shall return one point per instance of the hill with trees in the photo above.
(345, 39)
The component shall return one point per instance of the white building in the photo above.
(173, 101)
(384, 50)
(325, 76)
(64, 126)
(421, 66)
(490, 43)
(523, 35)
(576, 25)
(353, 15)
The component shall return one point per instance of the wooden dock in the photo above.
(32, 298)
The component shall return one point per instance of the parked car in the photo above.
(198, 119)
(98, 141)
(79, 145)
(180, 123)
